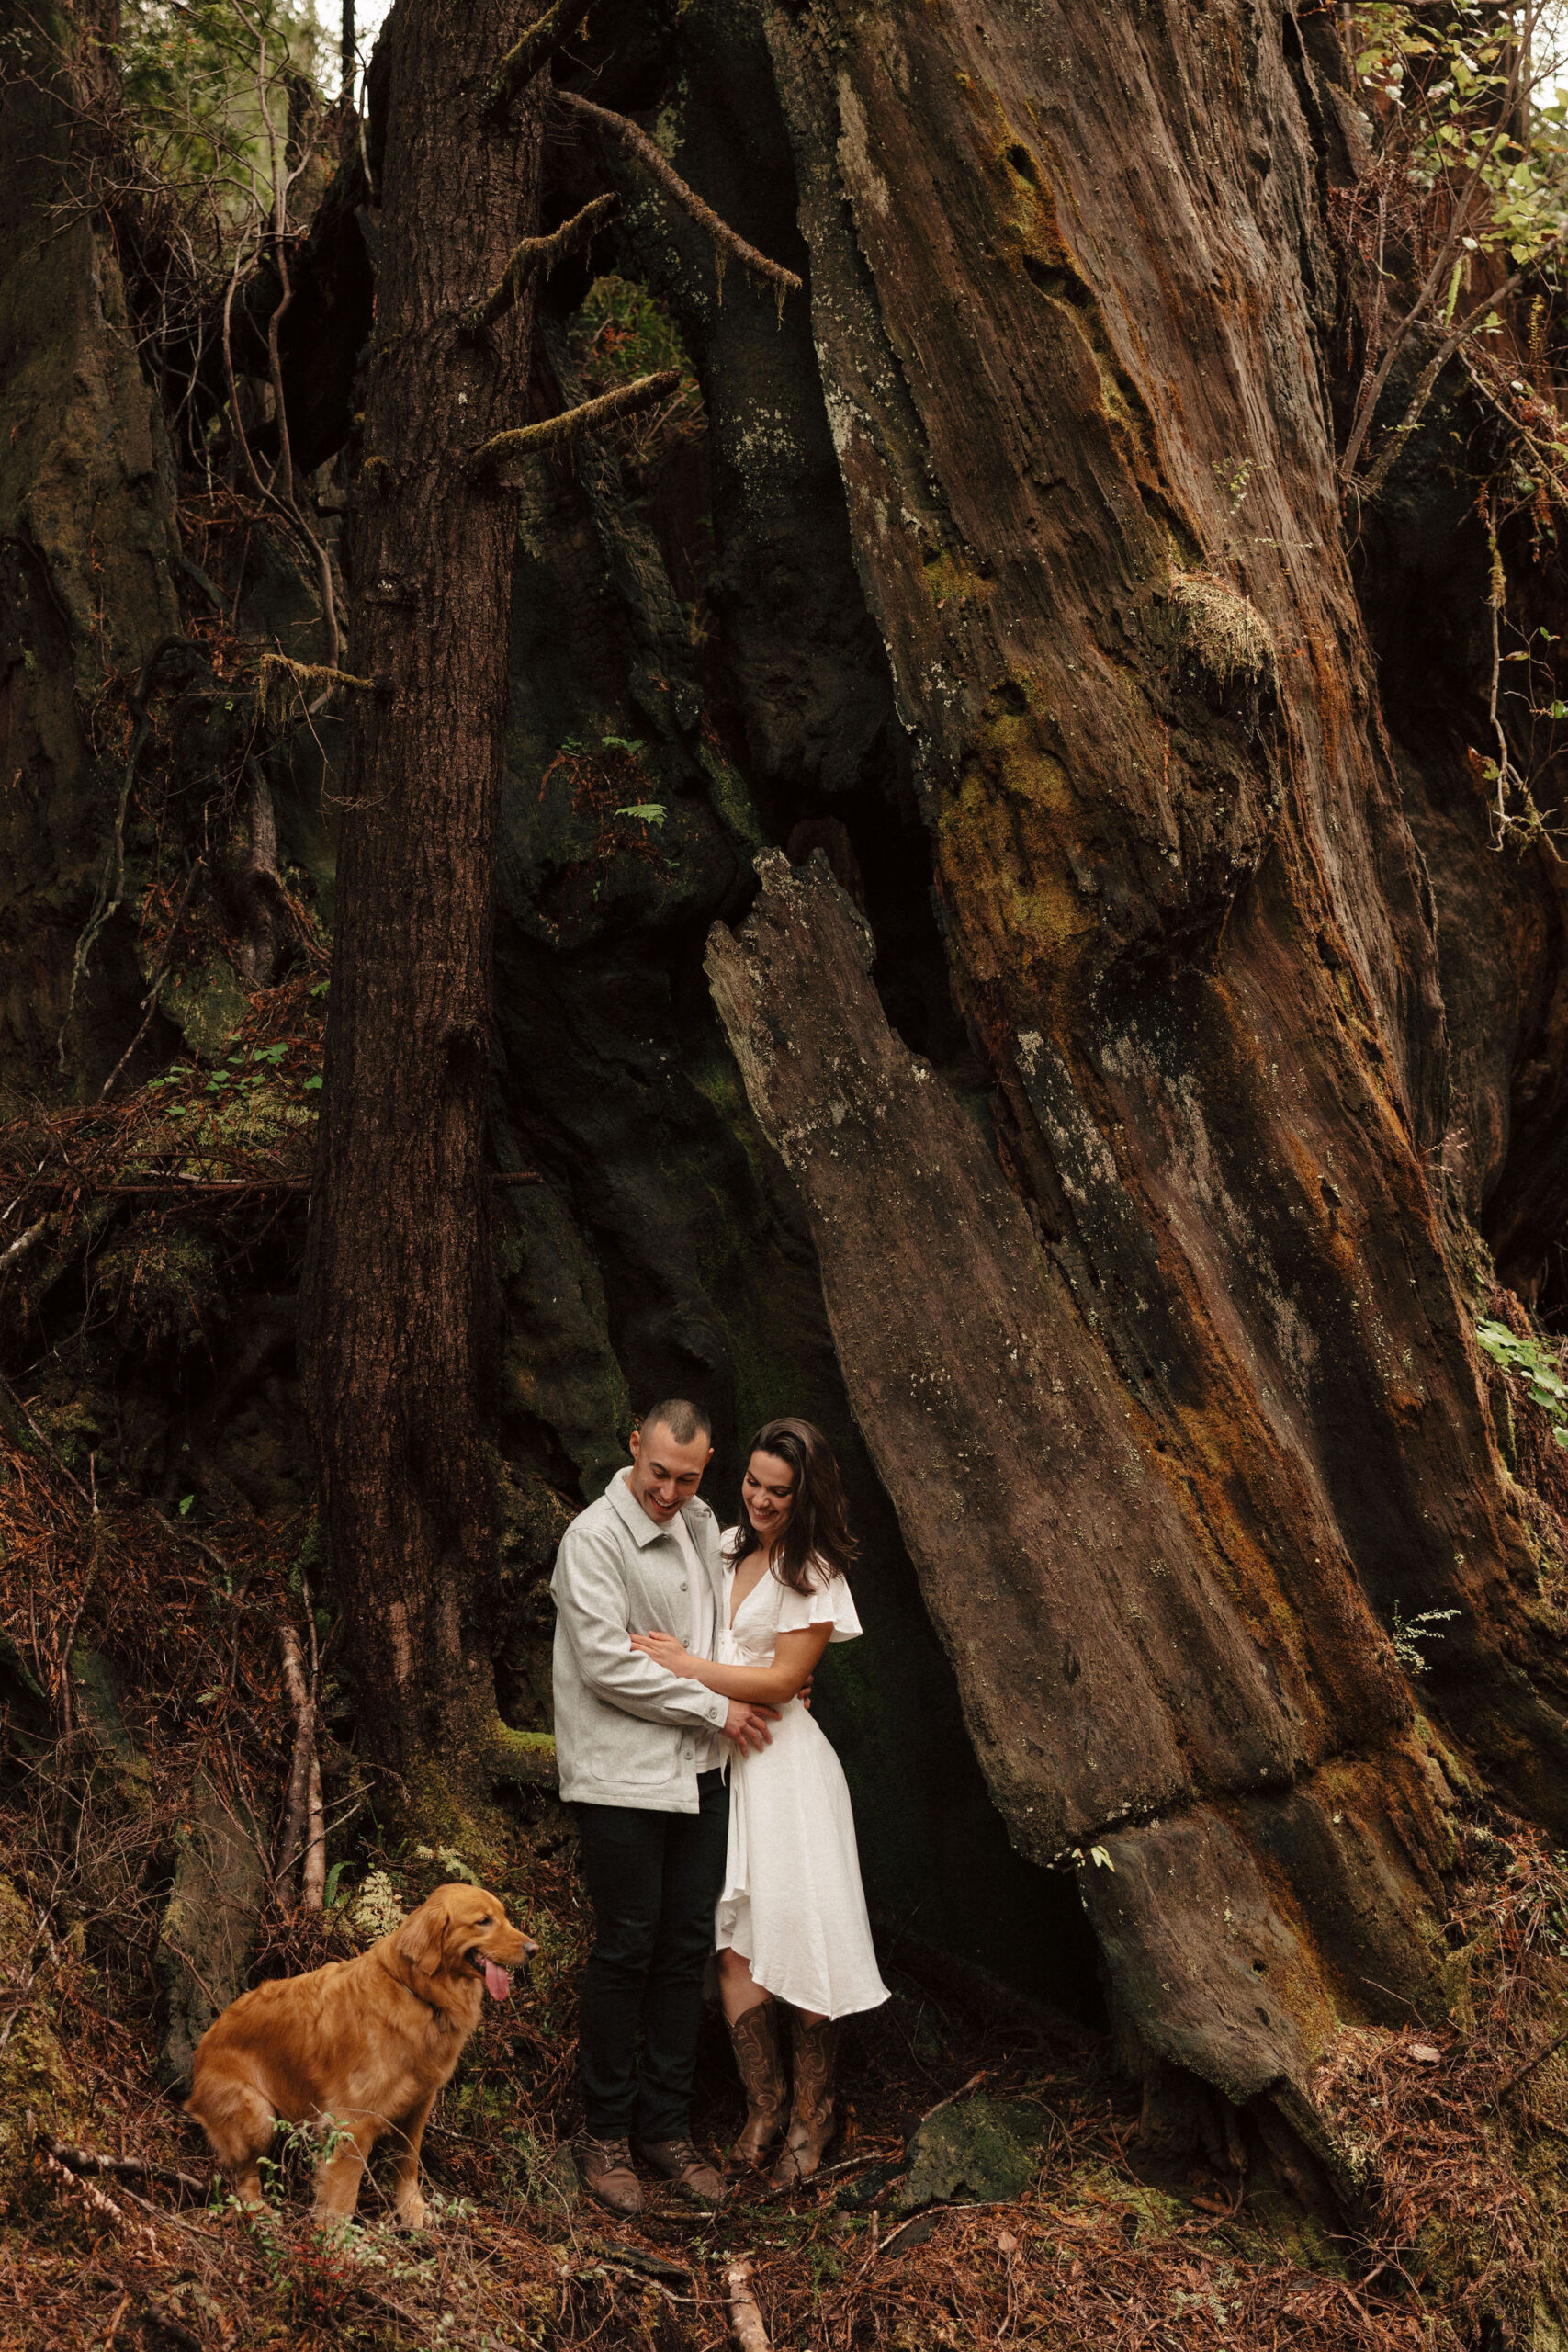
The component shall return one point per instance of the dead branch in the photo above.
(95, 2198)
(745, 2319)
(1529, 2068)
(313, 1866)
(278, 673)
(1395, 438)
(23, 1243)
(619, 125)
(537, 255)
(301, 1699)
(149, 1001)
(622, 401)
(84, 2160)
(541, 40)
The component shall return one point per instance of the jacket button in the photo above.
(683, 1584)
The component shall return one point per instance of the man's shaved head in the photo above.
(686, 1422)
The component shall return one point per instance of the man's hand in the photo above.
(748, 1726)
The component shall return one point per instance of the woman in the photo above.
(791, 1923)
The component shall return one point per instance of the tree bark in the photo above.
(1173, 1385)
(397, 1287)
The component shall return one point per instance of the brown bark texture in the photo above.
(397, 1295)
(1168, 1377)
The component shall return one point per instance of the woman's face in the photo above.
(768, 1491)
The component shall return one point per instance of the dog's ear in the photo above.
(422, 1939)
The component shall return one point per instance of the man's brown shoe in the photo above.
(679, 2161)
(605, 2167)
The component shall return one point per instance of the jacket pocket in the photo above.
(624, 1747)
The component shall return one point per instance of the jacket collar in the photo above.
(643, 1529)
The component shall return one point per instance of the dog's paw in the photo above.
(413, 2212)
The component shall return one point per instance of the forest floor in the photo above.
(1459, 2130)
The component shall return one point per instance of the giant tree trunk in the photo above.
(1169, 1382)
(397, 1289)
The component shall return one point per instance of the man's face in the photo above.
(663, 1474)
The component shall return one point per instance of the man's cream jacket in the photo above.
(627, 1732)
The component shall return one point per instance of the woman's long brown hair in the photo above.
(818, 1527)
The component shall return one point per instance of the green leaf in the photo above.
(652, 812)
(312, 1086)
(186, 1503)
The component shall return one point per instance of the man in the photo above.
(641, 1758)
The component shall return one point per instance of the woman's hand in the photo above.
(665, 1651)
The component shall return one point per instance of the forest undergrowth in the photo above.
(111, 2232)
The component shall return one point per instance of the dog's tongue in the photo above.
(497, 1982)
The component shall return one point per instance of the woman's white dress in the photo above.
(792, 1905)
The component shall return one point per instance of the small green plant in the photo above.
(1532, 1361)
(451, 1862)
(1407, 1634)
(652, 812)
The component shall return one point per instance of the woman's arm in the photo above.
(795, 1660)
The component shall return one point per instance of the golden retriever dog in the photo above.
(358, 2048)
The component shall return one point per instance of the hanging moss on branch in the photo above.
(539, 256)
(725, 241)
(586, 416)
(279, 678)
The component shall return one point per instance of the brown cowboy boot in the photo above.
(811, 2118)
(755, 2038)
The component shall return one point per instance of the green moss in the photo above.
(946, 573)
(207, 1006)
(163, 1285)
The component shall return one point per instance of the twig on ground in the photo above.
(84, 2160)
(94, 2197)
(745, 2319)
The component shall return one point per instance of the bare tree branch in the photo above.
(538, 255)
(23, 1243)
(619, 125)
(553, 430)
(304, 1757)
(1395, 439)
(149, 1001)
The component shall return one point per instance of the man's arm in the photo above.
(590, 1601)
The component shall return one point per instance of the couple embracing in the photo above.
(711, 1810)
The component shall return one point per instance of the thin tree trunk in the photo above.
(396, 1296)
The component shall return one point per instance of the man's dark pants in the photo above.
(655, 1879)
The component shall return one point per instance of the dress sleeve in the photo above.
(828, 1602)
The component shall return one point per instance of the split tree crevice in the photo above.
(1109, 1064)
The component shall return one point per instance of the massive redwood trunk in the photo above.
(1168, 1375)
(397, 1290)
